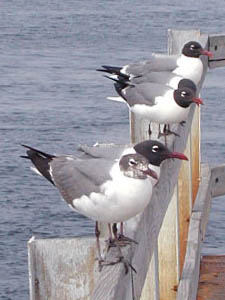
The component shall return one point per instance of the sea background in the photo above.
(52, 98)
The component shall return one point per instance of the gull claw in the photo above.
(120, 259)
(126, 240)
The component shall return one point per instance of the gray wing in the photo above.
(107, 151)
(75, 177)
(157, 63)
(144, 93)
(157, 77)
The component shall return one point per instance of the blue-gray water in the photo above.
(52, 98)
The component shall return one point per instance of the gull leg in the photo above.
(159, 132)
(111, 241)
(167, 131)
(97, 234)
(119, 257)
(149, 130)
(182, 123)
(171, 132)
(122, 238)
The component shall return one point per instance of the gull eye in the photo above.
(132, 162)
(155, 148)
(183, 94)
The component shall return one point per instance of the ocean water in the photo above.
(52, 98)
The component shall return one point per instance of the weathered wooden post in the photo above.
(176, 221)
(66, 269)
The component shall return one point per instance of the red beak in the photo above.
(178, 155)
(198, 101)
(207, 53)
(151, 173)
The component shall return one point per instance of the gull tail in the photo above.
(113, 71)
(40, 161)
(121, 83)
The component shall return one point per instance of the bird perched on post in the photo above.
(158, 103)
(164, 68)
(108, 184)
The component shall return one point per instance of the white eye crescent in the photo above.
(155, 148)
(183, 94)
(132, 162)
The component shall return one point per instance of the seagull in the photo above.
(158, 103)
(109, 184)
(164, 68)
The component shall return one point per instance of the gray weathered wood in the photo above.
(218, 178)
(217, 46)
(169, 260)
(150, 289)
(187, 289)
(62, 269)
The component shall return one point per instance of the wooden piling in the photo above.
(169, 232)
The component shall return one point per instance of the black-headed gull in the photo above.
(169, 68)
(108, 183)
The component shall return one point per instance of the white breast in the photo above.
(120, 199)
(189, 68)
(165, 111)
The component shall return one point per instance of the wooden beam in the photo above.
(187, 288)
(218, 178)
(185, 203)
(188, 177)
(62, 269)
(217, 46)
(212, 277)
(150, 289)
(168, 245)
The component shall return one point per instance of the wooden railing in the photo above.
(169, 232)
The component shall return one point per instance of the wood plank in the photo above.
(185, 203)
(62, 269)
(187, 288)
(150, 289)
(217, 46)
(189, 279)
(195, 154)
(168, 246)
(138, 129)
(168, 279)
(218, 178)
(212, 278)
(195, 127)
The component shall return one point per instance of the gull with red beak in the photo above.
(164, 68)
(158, 103)
(107, 183)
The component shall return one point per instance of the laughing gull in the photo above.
(158, 103)
(110, 183)
(170, 68)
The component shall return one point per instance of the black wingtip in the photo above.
(50, 156)
(103, 70)
(23, 156)
(40, 160)
(111, 78)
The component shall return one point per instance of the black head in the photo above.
(194, 49)
(189, 84)
(185, 96)
(136, 166)
(156, 152)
